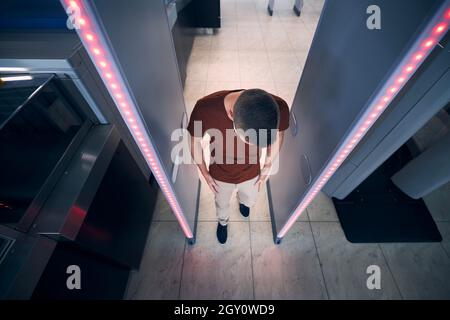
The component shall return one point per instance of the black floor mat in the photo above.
(378, 211)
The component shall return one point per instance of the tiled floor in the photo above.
(252, 49)
(314, 261)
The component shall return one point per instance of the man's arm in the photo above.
(274, 150)
(272, 153)
(199, 160)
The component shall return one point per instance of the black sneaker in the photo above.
(222, 233)
(245, 211)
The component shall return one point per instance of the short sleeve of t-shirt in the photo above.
(284, 114)
(196, 126)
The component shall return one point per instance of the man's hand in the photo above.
(197, 155)
(211, 182)
(272, 152)
(263, 176)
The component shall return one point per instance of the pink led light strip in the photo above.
(100, 54)
(422, 47)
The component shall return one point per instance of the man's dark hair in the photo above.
(256, 109)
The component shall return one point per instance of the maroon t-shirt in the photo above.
(228, 166)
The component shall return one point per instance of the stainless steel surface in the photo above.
(22, 267)
(37, 84)
(60, 67)
(38, 202)
(5, 245)
(65, 210)
(28, 197)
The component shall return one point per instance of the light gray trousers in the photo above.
(247, 194)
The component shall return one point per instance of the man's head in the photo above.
(255, 109)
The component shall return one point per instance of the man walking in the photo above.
(240, 123)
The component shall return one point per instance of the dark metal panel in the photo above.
(73, 96)
(22, 267)
(65, 211)
(35, 30)
(51, 181)
(346, 66)
(32, 15)
(47, 45)
(117, 222)
(207, 13)
(51, 153)
(100, 279)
